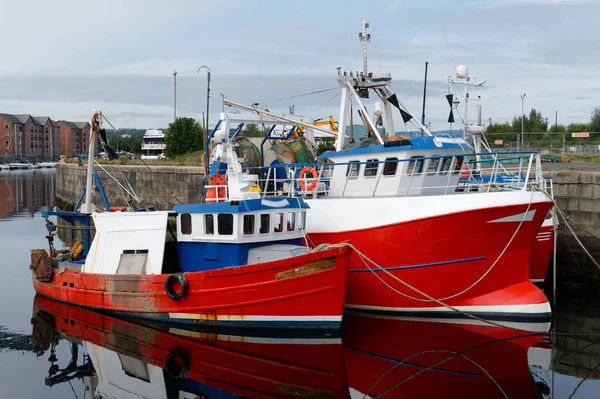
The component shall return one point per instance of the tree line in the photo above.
(538, 129)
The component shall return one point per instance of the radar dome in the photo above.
(462, 72)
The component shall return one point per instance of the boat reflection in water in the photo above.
(135, 361)
(380, 357)
(425, 358)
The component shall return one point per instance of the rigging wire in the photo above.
(305, 94)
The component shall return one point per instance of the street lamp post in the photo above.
(522, 118)
(205, 133)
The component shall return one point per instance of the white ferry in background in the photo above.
(154, 145)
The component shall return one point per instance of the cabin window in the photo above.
(457, 165)
(186, 223)
(6, 125)
(302, 221)
(6, 134)
(225, 224)
(445, 165)
(433, 165)
(390, 166)
(353, 169)
(277, 222)
(371, 167)
(248, 224)
(291, 221)
(415, 166)
(265, 223)
(209, 224)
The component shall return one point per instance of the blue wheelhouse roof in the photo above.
(413, 144)
(251, 205)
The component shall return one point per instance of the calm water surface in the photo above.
(52, 350)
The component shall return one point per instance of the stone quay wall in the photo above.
(159, 186)
(577, 194)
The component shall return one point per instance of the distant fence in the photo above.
(561, 142)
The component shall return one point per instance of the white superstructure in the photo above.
(154, 144)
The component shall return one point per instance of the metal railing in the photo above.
(435, 175)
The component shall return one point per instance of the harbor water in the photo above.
(53, 350)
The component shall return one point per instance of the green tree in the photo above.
(130, 143)
(183, 135)
(251, 130)
(595, 120)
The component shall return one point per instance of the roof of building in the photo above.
(81, 125)
(10, 117)
(72, 125)
(42, 120)
(23, 117)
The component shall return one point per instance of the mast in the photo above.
(424, 94)
(95, 123)
(364, 38)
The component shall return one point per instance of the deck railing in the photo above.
(435, 175)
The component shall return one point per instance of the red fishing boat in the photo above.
(427, 358)
(235, 264)
(432, 237)
(127, 360)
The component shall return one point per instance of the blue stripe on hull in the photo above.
(446, 262)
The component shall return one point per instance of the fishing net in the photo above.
(294, 151)
(249, 152)
(360, 144)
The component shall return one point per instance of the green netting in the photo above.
(294, 151)
(249, 152)
(360, 144)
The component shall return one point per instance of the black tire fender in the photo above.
(183, 282)
(177, 364)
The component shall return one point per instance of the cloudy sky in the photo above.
(62, 58)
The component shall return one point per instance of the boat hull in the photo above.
(541, 253)
(460, 251)
(303, 292)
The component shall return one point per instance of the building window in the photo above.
(209, 224)
(353, 169)
(433, 165)
(291, 221)
(390, 166)
(415, 166)
(371, 167)
(46, 130)
(445, 165)
(265, 223)
(457, 165)
(6, 125)
(30, 129)
(186, 223)
(225, 224)
(248, 224)
(278, 222)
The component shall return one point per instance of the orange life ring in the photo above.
(118, 209)
(303, 172)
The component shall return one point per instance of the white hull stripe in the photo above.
(258, 340)
(193, 316)
(536, 308)
(525, 216)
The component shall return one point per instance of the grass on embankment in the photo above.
(189, 159)
(584, 158)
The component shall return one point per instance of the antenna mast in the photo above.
(364, 38)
